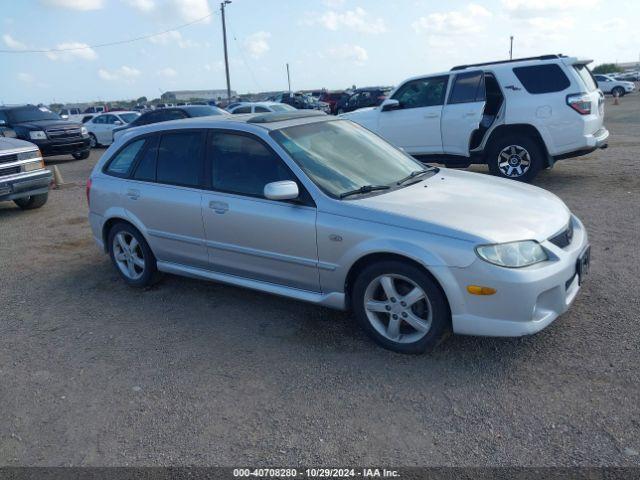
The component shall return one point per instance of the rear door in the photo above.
(415, 125)
(463, 112)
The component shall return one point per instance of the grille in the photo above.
(9, 158)
(63, 133)
(9, 171)
(563, 239)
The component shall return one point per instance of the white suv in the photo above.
(517, 116)
(608, 84)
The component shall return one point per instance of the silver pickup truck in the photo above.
(23, 177)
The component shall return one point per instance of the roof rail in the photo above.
(541, 57)
(282, 116)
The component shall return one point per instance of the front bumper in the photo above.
(526, 299)
(24, 185)
(63, 147)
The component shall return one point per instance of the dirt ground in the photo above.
(193, 373)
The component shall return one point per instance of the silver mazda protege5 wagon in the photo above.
(322, 210)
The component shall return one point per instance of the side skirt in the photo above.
(334, 300)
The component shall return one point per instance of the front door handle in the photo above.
(133, 194)
(219, 207)
(431, 115)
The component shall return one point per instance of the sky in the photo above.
(328, 43)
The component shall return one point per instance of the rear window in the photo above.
(586, 77)
(180, 158)
(203, 111)
(538, 79)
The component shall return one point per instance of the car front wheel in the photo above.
(32, 202)
(618, 91)
(81, 155)
(132, 256)
(400, 307)
(515, 157)
(93, 141)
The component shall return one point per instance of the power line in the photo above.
(111, 44)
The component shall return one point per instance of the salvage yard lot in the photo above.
(93, 372)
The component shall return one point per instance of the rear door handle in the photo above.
(133, 194)
(219, 207)
(470, 114)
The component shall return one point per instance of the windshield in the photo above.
(30, 114)
(129, 117)
(203, 111)
(340, 156)
(586, 77)
(281, 108)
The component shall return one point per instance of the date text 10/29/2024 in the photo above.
(315, 473)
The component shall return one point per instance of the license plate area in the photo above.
(582, 264)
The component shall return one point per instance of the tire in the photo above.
(385, 316)
(32, 202)
(516, 157)
(81, 155)
(142, 276)
(620, 91)
(93, 141)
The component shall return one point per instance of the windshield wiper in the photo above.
(365, 189)
(414, 174)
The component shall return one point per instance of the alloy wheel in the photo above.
(92, 141)
(514, 161)
(398, 308)
(128, 255)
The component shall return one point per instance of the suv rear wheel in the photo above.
(517, 157)
(34, 201)
(132, 256)
(400, 307)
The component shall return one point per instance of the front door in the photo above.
(415, 124)
(247, 234)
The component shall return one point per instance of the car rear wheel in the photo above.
(618, 91)
(516, 157)
(32, 202)
(132, 256)
(400, 307)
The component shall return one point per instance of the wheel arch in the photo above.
(108, 225)
(518, 129)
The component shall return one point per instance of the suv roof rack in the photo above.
(282, 116)
(541, 57)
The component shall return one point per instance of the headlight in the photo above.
(38, 135)
(29, 155)
(84, 131)
(513, 254)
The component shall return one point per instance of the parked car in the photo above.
(169, 113)
(333, 99)
(608, 84)
(628, 76)
(94, 109)
(52, 134)
(517, 116)
(101, 127)
(23, 177)
(260, 107)
(295, 99)
(71, 114)
(363, 98)
(319, 209)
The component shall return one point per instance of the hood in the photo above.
(473, 206)
(14, 144)
(358, 112)
(44, 124)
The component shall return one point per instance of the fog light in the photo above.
(478, 290)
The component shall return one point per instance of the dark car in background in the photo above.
(334, 98)
(170, 113)
(364, 97)
(52, 134)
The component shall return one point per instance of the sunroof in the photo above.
(282, 116)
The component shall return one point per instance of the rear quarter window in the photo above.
(538, 79)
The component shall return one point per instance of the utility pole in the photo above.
(511, 48)
(224, 40)
(288, 78)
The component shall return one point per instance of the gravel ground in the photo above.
(194, 373)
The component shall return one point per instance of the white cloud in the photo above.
(552, 25)
(543, 8)
(123, 73)
(612, 25)
(167, 72)
(26, 77)
(351, 53)
(75, 4)
(257, 43)
(142, 5)
(173, 37)
(334, 3)
(72, 51)
(12, 43)
(190, 10)
(455, 22)
(357, 20)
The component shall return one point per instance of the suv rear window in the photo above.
(586, 77)
(538, 79)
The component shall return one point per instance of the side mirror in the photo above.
(8, 132)
(283, 190)
(390, 104)
(117, 122)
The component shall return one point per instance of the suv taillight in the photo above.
(88, 190)
(580, 103)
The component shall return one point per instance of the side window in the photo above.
(353, 99)
(538, 79)
(424, 92)
(242, 110)
(243, 165)
(121, 163)
(260, 109)
(99, 120)
(180, 158)
(468, 87)
(146, 168)
(111, 119)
